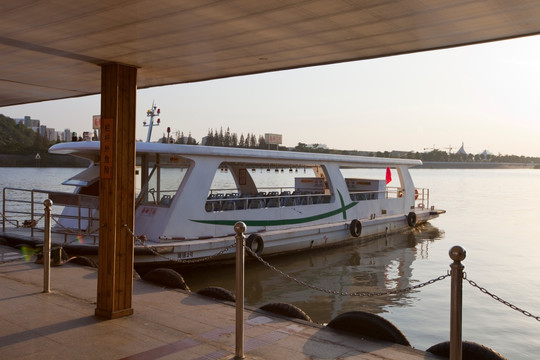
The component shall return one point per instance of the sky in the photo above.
(483, 96)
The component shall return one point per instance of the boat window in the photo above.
(260, 186)
(162, 183)
(372, 183)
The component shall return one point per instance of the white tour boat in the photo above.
(189, 198)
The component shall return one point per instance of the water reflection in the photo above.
(375, 265)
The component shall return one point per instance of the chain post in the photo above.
(240, 229)
(458, 254)
(47, 248)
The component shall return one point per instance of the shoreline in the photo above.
(474, 165)
(48, 160)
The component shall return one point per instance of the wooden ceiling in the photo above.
(53, 49)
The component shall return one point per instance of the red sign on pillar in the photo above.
(107, 143)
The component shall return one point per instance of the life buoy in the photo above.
(411, 219)
(256, 243)
(469, 351)
(355, 228)
(400, 194)
(368, 324)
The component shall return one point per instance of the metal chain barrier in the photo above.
(141, 239)
(14, 223)
(71, 231)
(341, 293)
(26, 223)
(511, 306)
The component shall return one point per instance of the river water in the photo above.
(494, 214)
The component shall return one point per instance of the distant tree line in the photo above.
(18, 139)
(443, 156)
(221, 138)
(231, 139)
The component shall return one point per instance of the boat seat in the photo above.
(228, 205)
(255, 204)
(289, 201)
(166, 200)
(273, 202)
(306, 200)
(240, 204)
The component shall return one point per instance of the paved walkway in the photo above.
(166, 324)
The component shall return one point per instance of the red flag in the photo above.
(388, 175)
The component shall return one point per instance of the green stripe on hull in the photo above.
(343, 209)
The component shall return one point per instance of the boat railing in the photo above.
(25, 208)
(421, 196)
(221, 200)
(230, 199)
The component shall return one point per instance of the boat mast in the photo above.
(151, 113)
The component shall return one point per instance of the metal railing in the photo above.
(24, 206)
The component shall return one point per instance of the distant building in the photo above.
(462, 149)
(66, 135)
(485, 154)
(29, 123)
(51, 134)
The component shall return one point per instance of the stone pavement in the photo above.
(166, 324)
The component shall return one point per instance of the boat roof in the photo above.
(90, 150)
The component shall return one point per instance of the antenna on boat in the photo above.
(151, 113)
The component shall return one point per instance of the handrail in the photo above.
(19, 204)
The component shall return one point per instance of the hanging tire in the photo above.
(355, 228)
(84, 261)
(288, 310)
(256, 243)
(218, 293)
(370, 325)
(166, 277)
(469, 351)
(411, 219)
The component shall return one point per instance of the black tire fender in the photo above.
(84, 261)
(166, 277)
(218, 293)
(288, 310)
(411, 219)
(355, 228)
(256, 243)
(469, 351)
(370, 325)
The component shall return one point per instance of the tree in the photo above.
(227, 138)
(262, 143)
(241, 143)
(220, 138)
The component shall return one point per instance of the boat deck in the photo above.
(166, 324)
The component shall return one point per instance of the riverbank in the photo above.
(41, 160)
(48, 160)
(474, 165)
